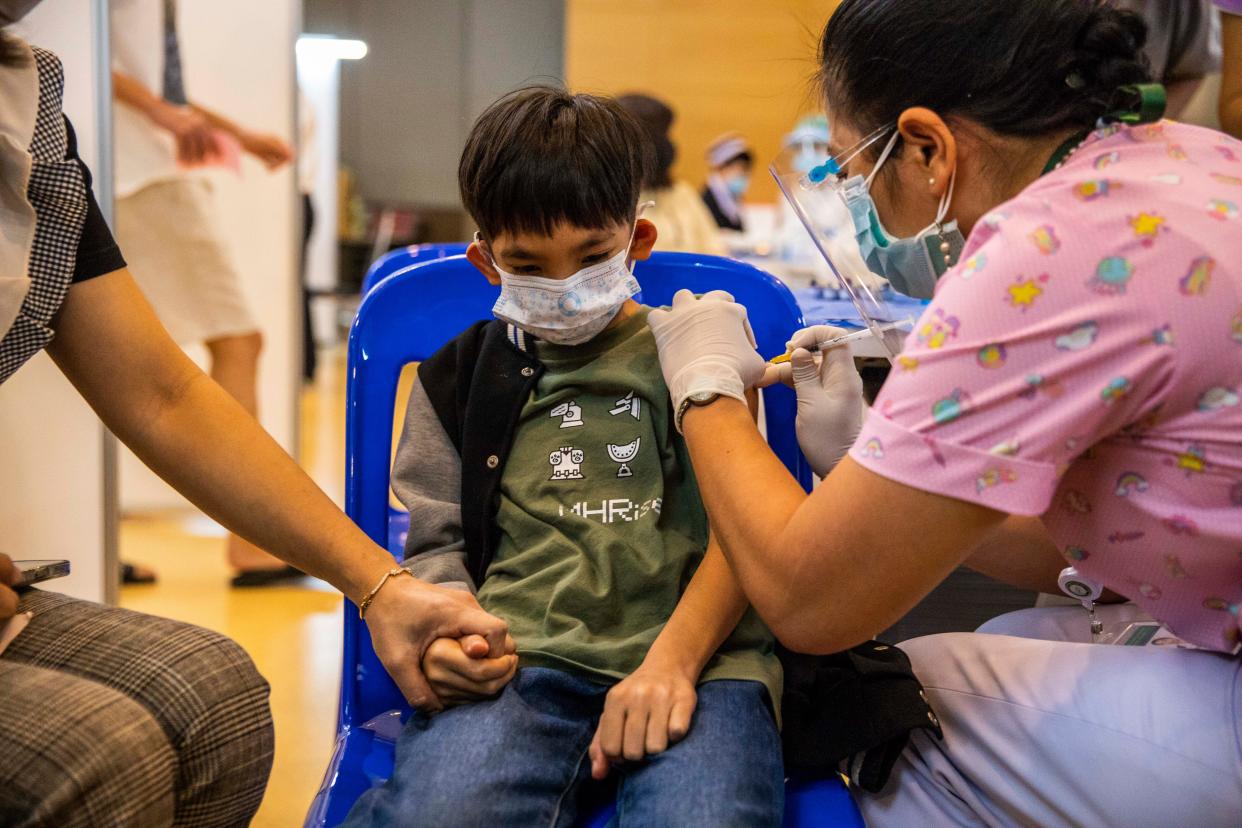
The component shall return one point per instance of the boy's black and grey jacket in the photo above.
(853, 711)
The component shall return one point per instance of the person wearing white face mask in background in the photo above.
(806, 145)
(730, 161)
(1072, 395)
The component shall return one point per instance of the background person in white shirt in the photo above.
(166, 221)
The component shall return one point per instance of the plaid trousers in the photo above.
(113, 718)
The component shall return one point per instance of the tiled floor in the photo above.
(293, 633)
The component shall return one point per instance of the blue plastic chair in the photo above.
(406, 319)
(403, 258)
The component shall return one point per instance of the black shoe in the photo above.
(266, 577)
(130, 574)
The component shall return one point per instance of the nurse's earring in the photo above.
(931, 182)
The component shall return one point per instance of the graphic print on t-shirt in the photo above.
(623, 455)
(566, 463)
(629, 404)
(570, 414)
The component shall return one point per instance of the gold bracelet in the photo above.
(370, 596)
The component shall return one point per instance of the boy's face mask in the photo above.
(568, 311)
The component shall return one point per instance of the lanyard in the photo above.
(1144, 103)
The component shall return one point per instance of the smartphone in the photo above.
(32, 572)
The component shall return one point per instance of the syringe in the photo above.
(845, 339)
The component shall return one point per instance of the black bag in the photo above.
(851, 712)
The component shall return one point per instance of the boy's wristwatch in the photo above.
(701, 398)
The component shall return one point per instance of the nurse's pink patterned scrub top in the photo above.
(1083, 362)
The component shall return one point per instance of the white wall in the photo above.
(431, 68)
(238, 59)
(51, 443)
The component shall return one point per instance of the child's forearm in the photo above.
(707, 613)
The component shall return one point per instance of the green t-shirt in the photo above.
(601, 523)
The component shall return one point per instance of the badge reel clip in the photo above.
(1085, 591)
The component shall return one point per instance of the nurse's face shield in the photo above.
(818, 198)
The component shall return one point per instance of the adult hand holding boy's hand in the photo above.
(644, 713)
(409, 615)
(461, 670)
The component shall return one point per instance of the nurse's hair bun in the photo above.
(1018, 68)
(1107, 55)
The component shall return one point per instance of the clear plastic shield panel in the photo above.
(822, 209)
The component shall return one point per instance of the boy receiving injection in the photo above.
(543, 470)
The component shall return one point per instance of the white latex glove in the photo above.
(830, 398)
(706, 345)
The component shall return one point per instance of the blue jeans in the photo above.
(521, 759)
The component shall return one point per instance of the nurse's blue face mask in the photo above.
(911, 264)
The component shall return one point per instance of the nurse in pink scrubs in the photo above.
(1072, 396)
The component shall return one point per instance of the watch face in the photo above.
(703, 397)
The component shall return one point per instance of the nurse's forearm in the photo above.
(1020, 553)
(829, 570)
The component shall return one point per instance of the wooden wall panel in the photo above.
(742, 65)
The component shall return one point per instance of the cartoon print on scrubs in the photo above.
(1129, 482)
(973, 265)
(1024, 291)
(1197, 279)
(1094, 189)
(948, 409)
(1045, 238)
(1107, 159)
(1006, 448)
(1218, 397)
(1111, 276)
(1159, 336)
(1222, 209)
(1090, 378)
(1147, 226)
(991, 355)
(1081, 336)
(1117, 388)
(938, 330)
(1035, 383)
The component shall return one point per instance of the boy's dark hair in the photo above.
(541, 156)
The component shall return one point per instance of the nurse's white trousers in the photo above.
(1043, 730)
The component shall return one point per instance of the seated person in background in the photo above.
(685, 224)
(542, 468)
(730, 160)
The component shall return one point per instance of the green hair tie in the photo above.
(1144, 103)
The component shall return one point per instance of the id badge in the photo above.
(1144, 634)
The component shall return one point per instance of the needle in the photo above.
(842, 340)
